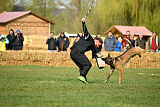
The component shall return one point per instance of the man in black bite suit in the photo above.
(86, 43)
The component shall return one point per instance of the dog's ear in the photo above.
(109, 55)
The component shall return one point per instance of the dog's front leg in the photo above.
(120, 76)
(109, 75)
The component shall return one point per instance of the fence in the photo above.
(45, 58)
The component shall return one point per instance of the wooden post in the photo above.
(49, 27)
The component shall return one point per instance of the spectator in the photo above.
(18, 43)
(140, 41)
(124, 43)
(110, 42)
(154, 42)
(79, 36)
(3, 42)
(131, 39)
(51, 41)
(99, 35)
(118, 46)
(11, 38)
(62, 42)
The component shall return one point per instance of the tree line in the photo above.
(106, 13)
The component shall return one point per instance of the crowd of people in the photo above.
(111, 43)
(14, 41)
(62, 42)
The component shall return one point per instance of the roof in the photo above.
(10, 16)
(136, 30)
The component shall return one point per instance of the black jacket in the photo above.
(62, 43)
(86, 43)
(141, 43)
(18, 43)
(51, 44)
(132, 42)
(11, 39)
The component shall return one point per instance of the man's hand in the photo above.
(83, 19)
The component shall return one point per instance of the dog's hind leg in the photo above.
(110, 73)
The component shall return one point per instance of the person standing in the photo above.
(11, 37)
(62, 42)
(79, 36)
(18, 43)
(131, 39)
(124, 43)
(77, 54)
(118, 46)
(110, 42)
(133, 43)
(51, 41)
(140, 41)
(3, 42)
(154, 42)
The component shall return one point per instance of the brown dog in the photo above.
(120, 61)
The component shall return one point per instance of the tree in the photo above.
(7, 5)
(130, 12)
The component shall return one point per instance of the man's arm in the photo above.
(144, 44)
(57, 42)
(149, 44)
(67, 43)
(123, 43)
(105, 44)
(115, 44)
(86, 34)
(47, 42)
(94, 53)
(7, 40)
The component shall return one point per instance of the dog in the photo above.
(120, 61)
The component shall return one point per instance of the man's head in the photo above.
(131, 36)
(128, 33)
(99, 35)
(62, 33)
(2, 37)
(51, 34)
(18, 31)
(108, 60)
(154, 34)
(98, 42)
(141, 36)
(11, 32)
(110, 34)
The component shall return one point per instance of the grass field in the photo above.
(41, 86)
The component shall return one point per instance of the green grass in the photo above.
(41, 86)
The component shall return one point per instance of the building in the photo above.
(120, 31)
(27, 22)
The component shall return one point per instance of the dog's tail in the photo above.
(130, 44)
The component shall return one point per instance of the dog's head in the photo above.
(108, 60)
